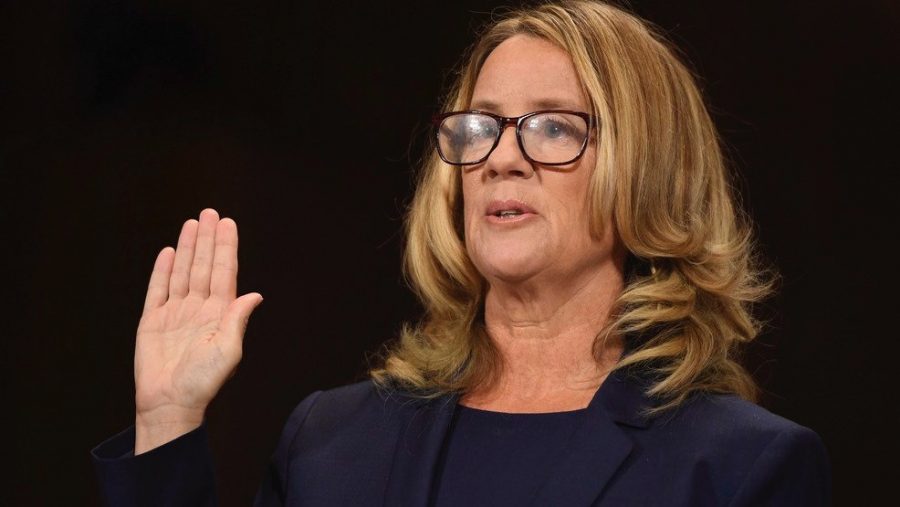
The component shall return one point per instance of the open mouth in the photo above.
(509, 210)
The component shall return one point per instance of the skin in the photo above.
(191, 332)
(551, 282)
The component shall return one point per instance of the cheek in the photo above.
(567, 231)
(580, 191)
(470, 197)
(572, 210)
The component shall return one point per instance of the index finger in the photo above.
(158, 288)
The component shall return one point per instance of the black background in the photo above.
(122, 119)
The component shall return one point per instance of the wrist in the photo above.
(158, 427)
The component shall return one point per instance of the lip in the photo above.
(496, 206)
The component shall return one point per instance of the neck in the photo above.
(545, 335)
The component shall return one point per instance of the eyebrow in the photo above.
(547, 103)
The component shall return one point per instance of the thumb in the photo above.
(234, 322)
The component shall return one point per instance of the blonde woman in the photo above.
(586, 276)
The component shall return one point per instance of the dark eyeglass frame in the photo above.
(505, 121)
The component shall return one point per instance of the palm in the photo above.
(190, 335)
(179, 358)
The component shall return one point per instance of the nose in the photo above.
(507, 159)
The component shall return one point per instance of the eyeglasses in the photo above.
(549, 137)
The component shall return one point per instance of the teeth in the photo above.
(509, 213)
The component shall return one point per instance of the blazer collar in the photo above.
(623, 398)
(424, 429)
(597, 448)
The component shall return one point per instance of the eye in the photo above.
(555, 130)
(551, 127)
(479, 128)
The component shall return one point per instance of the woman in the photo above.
(586, 278)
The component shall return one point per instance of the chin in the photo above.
(508, 268)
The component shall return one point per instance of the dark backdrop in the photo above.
(120, 119)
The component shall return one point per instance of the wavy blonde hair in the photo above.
(660, 178)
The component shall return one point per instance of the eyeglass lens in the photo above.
(549, 138)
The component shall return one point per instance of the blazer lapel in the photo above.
(425, 424)
(598, 447)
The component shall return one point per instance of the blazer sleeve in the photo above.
(793, 470)
(181, 472)
(177, 473)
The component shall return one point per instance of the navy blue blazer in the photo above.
(365, 446)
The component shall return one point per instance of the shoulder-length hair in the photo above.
(660, 178)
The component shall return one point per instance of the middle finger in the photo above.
(203, 253)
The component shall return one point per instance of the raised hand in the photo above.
(190, 337)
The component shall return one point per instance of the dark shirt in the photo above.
(496, 458)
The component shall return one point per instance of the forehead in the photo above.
(524, 74)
